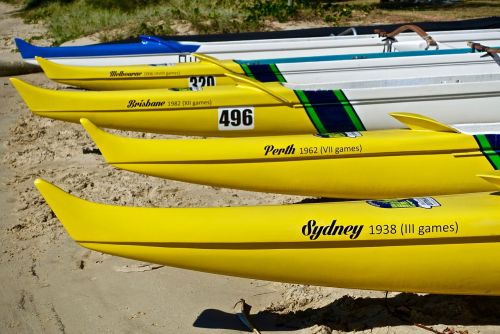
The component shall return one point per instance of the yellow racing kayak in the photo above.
(207, 71)
(430, 158)
(441, 244)
(335, 69)
(253, 108)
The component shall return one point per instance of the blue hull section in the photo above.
(149, 45)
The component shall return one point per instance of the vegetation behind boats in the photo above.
(113, 19)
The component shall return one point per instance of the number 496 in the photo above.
(236, 118)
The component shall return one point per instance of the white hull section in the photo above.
(458, 103)
(286, 48)
(359, 70)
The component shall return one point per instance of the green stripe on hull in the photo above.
(488, 151)
(356, 121)
(276, 71)
(311, 112)
(247, 71)
(263, 73)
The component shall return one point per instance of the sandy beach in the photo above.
(52, 285)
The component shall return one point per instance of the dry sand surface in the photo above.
(49, 284)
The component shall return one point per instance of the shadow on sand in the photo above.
(356, 314)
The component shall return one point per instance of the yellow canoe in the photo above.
(252, 108)
(248, 109)
(338, 70)
(207, 71)
(430, 158)
(442, 244)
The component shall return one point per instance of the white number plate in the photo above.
(236, 118)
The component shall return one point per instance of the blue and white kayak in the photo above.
(155, 51)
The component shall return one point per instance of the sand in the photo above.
(51, 285)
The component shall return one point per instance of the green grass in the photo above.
(115, 19)
(112, 19)
(66, 21)
(70, 21)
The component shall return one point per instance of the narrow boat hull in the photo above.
(374, 164)
(211, 72)
(379, 177)
(444, 244)
(258, 109)
(340, 267)
(153, 50)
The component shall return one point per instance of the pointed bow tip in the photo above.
(101, 138)
(85, 122)
(45, 63)
(19, 84)
(39, 182)
(44, 187)
(20, 41)
(14, 81)
(28, 93)
(492, 178)
(91, 129)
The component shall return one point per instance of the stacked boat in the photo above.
(404, 125)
